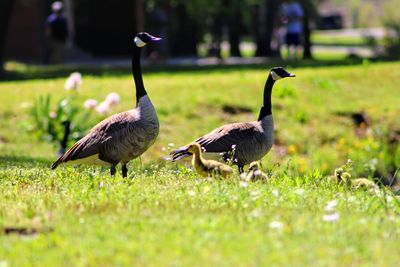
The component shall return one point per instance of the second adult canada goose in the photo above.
(123, 136)
(247, 141)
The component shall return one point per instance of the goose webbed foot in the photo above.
(124, 171)
(112, 170)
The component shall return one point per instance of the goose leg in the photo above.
(241, 169)
(112, 170)
(124, 170)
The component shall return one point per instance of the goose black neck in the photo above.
(266, 109)
(137, 73)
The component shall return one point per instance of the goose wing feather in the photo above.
(94, 142)
(223, 138)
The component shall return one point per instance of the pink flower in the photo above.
(52, 114)
(103, 108)
(90, 103)
(74, 81)
(113, 99)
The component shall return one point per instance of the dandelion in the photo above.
(90, 103)
(53, 114)
(292, 149)
(331, 217)
(331, 205)
(276, 225)
(103, 108)
(74, 81)
(112, 99)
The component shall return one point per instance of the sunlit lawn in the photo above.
(164, 214)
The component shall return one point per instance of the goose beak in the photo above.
(155, 39)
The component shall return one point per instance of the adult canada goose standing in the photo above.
(247, 141)
(123, 136)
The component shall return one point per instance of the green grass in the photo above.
(166, 215)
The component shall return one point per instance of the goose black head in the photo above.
(280, 73)
(143, 38)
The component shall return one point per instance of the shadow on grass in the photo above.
(50, 72)
(23, 161)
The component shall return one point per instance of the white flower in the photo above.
(275, 193)
(90, 103)
(243, 184)
(300, 191)
(275, 225)
(101, 184)
(74, 81)
(191, 193)
(112, 99)
(331, 205)
(331, 217)
(103, 108)
(243, 176)
(171, 144)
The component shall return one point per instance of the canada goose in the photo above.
(247, 141)
(205, 167)
(123, 136)
(255, 173)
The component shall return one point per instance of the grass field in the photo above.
(164, 214)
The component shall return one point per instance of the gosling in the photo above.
(255, 173)
(208, 168)
(359, 183)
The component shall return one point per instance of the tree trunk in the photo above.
(307, 36)
(259, 23)
(271, 12)
(235, 26)
(6, 7)
(265, 19)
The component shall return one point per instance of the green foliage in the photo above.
(164, 214)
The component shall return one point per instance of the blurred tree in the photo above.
(264, 22)
(310, 13)
(392, 21)
(6, 7)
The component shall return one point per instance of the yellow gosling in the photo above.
(255, 173)
(337, 177)
(359, 183)
(208, 168)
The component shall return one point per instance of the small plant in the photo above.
(51, 124)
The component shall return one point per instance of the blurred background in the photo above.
(99, 30)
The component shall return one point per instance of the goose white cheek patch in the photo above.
(275, 76)
(139, 42)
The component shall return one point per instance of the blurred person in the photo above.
(291, 16)
(57, 34)
(159, 21)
